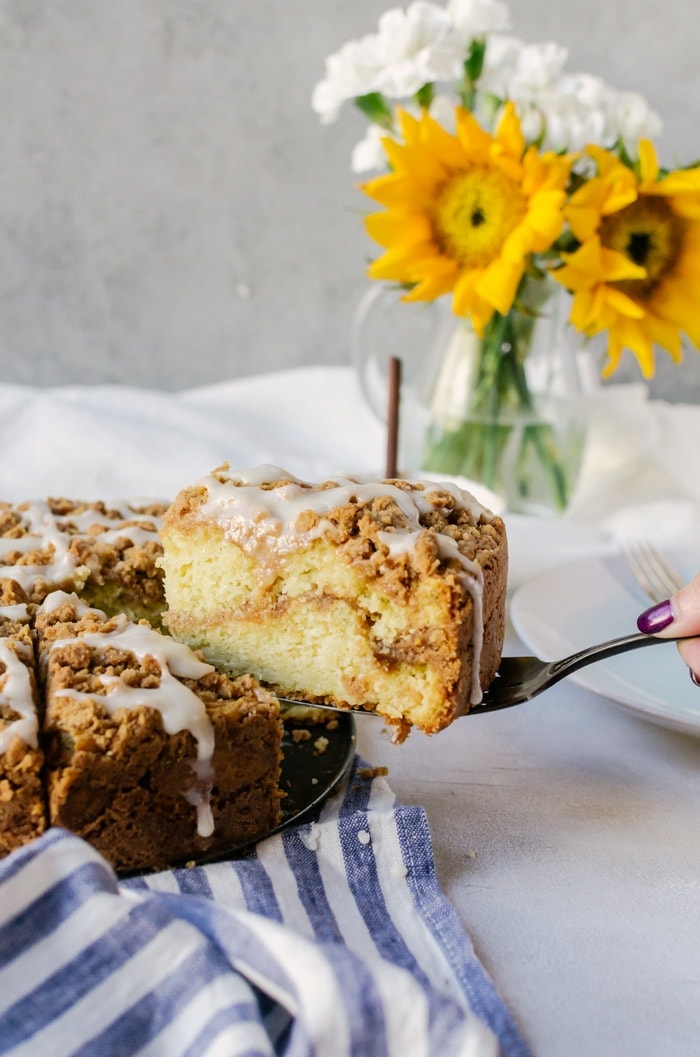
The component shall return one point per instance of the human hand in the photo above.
(678, 615)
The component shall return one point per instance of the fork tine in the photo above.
(673, 579)
(639, 569)
(653, 572)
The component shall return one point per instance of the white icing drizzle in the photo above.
(56, 599)
(43, 535)
(180, 708)
(399, 543)
(265, 521)
(17, 691)
(17, 611)
(47, 533)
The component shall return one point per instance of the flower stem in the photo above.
(498, 439)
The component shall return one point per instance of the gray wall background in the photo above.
(172, 213)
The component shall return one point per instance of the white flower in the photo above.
(575, 112)
(518, 71)
(368, 155)
(412, 48)
(539, 66)
(500, 63)
(476, 18)
(416, 46)
(570, 125)
(349, 71)
(633, 119)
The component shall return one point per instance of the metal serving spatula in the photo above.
(521, 678)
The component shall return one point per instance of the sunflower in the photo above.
(636, 271)
(464, 212)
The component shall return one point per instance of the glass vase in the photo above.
(507, 409)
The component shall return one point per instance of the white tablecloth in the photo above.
(566, 832)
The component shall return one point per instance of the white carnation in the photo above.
(569, 124)
(501, 60)
(632, 119)
(412, 48)
(518, 71)
(368, 155)
(538, 67)
(415, 47)
(348, 72)
(580, 109)
(476, 18)
(575, 112)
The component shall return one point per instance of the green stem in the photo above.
(500, 393)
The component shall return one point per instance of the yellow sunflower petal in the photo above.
(614, 267)
(666, 335)
(467, 302)
(392, 189)
(635, 338)
(475, 141)
(442, 144)
(499, 284)
(605, 161)
(399, 263)
(648, 162)
(582, 311)
(572, 279)
(677, 300)
(413, 160)
(614, 351)
(409, 126)
(546, 218)
(390, 228)
(509, 134)
(431, 288)
(623, 304)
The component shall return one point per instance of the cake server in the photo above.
(519, 679)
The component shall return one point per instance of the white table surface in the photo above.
(566, 831)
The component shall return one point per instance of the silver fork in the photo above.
(654, 574)
(520, 679)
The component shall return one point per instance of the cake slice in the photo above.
(22, 807)
(151, 755)
(107, 553)
(120, 546)
(388, 595)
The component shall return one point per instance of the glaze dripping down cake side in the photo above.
(151, 755)
(22, 802)
(386, 595)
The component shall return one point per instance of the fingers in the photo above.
(678, 615)
(690, 652)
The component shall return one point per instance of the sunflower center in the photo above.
(476, 211)
(651, 235)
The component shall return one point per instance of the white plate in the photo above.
(595, 599)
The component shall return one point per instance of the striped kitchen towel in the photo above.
(331, 939)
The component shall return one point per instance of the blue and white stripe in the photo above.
(333, 939)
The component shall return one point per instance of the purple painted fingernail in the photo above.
(694, 678)
(656, 618)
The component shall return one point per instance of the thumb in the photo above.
(677, 615)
